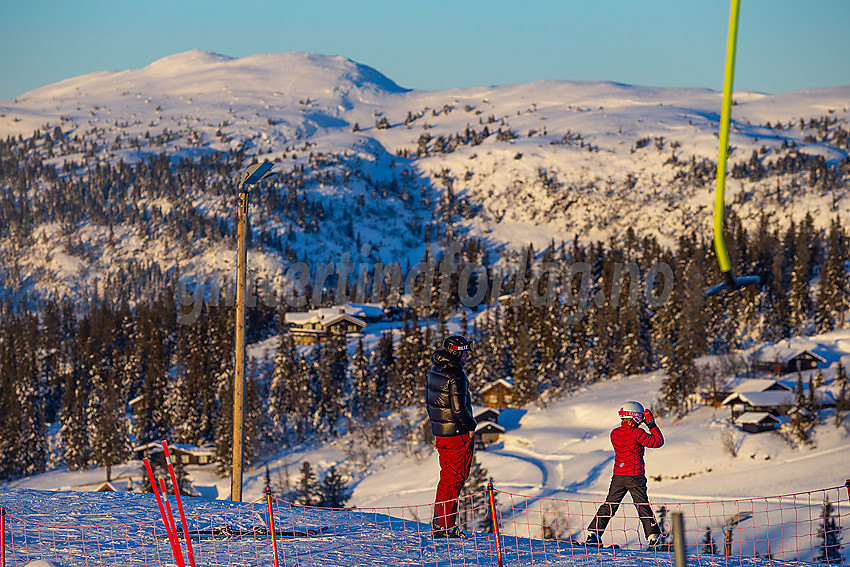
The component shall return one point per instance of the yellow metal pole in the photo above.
(725, 118)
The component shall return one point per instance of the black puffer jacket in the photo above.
(447, 396)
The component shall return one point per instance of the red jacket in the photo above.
(629, 443)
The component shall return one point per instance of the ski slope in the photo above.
(559, 452)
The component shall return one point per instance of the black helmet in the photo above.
(458, 346)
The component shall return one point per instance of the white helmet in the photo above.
(631, 410)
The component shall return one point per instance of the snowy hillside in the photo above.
(560, 452)
(535, 162)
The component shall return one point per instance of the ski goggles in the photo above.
(635, 415)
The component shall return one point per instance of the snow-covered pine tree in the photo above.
(52, 346)
(301, 400)
(526, 379)
(842, 403)
(284, 372)
(406, 355)
(332, 376)
(258, 434)
(147, 365)
(385, 371)
(831, 296)
(72, 417)
(224, 423)
(361, 403)
(109, 427)
(31, 453)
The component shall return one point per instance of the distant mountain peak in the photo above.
(193, 57)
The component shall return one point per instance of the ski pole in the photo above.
(179, 505)
(172, 538)
(2, 537)
(495, 522)
(271, 524)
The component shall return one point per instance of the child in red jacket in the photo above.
(629, 442)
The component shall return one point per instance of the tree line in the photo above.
(118, 375)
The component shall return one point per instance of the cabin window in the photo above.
(184, 459)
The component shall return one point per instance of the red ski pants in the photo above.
(455, 460)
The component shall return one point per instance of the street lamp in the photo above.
(252, 176)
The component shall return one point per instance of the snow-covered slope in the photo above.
(557, 158)
(562, 450)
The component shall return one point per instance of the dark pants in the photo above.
(634, 485)
(455, 460)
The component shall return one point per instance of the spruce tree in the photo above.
(306, 487)
(385, 372)
(72, 416)
(362, 404)
(109, 427)
(334, 490)
(829, 536)
(284, 372)
(332, 376)
(526, 380)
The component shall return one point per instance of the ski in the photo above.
(227, 532)
(593, 545)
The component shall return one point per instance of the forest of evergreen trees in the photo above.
(116, 370)
(115, 376)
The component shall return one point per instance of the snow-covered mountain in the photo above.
(508, 164)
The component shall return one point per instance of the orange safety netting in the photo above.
(532, 531)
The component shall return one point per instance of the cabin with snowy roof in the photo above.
(486, 433)
(485, 414)
(757, 422)
(785, 357)
(180, 453)
(777, 402)
(716, 398)
(319, 324)
(496, 394)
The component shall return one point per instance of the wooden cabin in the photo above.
(785, 357)
(319, 324)
(757, 422)
(497, 394)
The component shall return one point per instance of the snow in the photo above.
(560, 451)
(270, 102)
(275, 105)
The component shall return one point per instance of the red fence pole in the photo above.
(847, 484)
(172, 538)
(180, 562)
(179, 505)
(271, 524)
(2, 537)
(495, 522)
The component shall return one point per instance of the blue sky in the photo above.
(783, 45)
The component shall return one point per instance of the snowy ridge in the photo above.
(558, 159)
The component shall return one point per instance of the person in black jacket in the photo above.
(450, 412)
